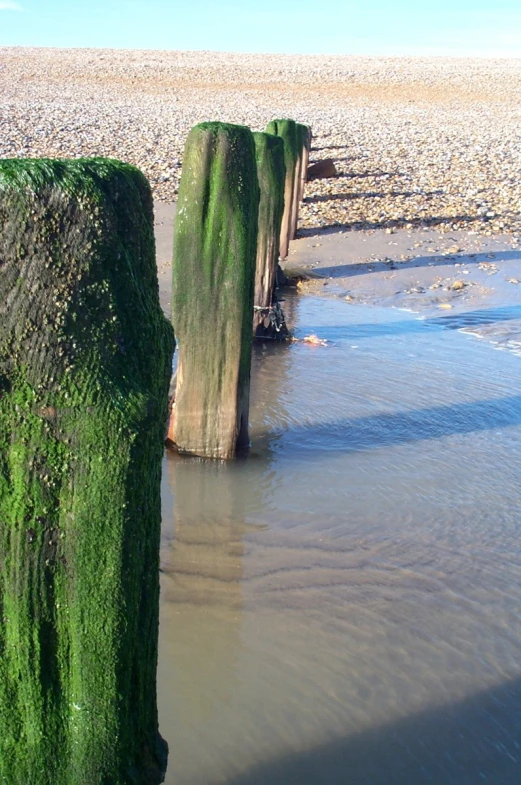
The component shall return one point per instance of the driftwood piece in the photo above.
(85, 360)
(322, 169)
(212, 297)
(268, 320)
(287, 130)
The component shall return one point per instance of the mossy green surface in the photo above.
(212, 291)
(287, 130)
(271, 171)
(85, 362)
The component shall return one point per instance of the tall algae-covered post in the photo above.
(268, 321)
(287, 130)
(212, 292)
(85, 360)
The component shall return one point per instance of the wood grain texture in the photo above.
(212, 290)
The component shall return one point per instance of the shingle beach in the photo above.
(416, 142)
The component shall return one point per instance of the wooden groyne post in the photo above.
(305, 134)
(287, 130)
(268, 320)
(85, 361)
(212, 291)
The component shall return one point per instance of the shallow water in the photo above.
(344, 605)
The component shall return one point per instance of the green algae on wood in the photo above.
(212, 290)
(287, 130)
(271, 172)
(85, 360)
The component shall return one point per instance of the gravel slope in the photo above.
(416, 141)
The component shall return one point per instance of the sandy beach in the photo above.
(428, 190)
(343, 605)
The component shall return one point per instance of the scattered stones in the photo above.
(457, 285)
(416, 142)
(488, 267)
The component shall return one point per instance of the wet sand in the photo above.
(346, 602)
(343, 606)
(422, 270)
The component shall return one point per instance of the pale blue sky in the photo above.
(445, 27)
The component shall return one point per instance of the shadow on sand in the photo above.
(468, 221)
(366, 195)
(436, 260)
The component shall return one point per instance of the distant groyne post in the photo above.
(287, 130)
(268, 320)
(306, 137)
(212, 290)
(303, 135)
(85, 360)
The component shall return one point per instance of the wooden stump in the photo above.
(85, 360)
(268, 320)
(287, 130)
(212, 297)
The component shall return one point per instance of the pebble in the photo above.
(417, 142)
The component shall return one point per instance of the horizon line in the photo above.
(415, 56)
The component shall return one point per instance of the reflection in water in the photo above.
(343, 606)
(202, 568)
(205, 565)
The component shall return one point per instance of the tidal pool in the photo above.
(343, 607)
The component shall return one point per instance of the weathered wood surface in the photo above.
(213, 283)
(303, 136)
(271, 172)
(287, 130)
(307, 139)
(85, 359)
